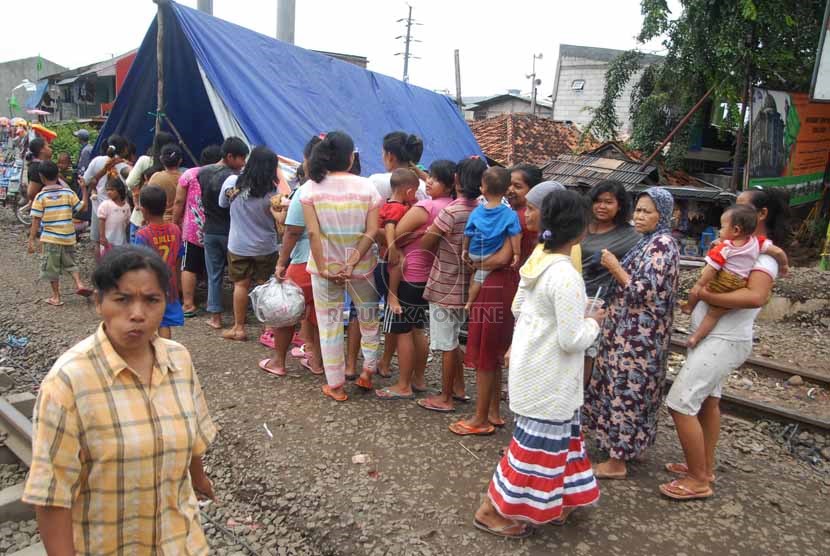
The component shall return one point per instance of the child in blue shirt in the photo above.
(489, 226)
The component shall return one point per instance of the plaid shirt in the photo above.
(117, 452)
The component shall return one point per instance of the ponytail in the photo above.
(405, 148)
(777, 202)
(332, 154)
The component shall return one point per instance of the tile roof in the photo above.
(512, 138)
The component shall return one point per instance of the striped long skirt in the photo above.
(544, 471)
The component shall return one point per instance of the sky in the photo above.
(497, 39)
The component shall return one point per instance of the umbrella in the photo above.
(18, 121)
(47, 134)
(37, 112)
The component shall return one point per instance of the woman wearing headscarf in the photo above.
(626, 388)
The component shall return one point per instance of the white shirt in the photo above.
(383, 184)
(116, 221)
(549, 342)
(736, 325)
(143, 164)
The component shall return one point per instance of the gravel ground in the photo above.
(296, 491)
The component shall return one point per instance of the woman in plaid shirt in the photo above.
(120, 427)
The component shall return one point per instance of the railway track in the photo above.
(16, 427)
(751, 408)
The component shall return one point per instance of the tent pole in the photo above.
(159, 62)
(181, 141)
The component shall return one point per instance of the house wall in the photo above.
(15, 71)
(571, 105)
(508, 106)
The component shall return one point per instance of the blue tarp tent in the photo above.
(221, 80)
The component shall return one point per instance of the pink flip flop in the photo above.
(264, 366)
(307, 364)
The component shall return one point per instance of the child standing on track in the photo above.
(404, 187)
(545, 472)
(166, 240)
(489, 226)
(114, 215)
(54, 206)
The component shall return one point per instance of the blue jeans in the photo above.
(216, 258)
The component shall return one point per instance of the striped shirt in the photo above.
(117, 453)
(342, 203)
(54, 205)
(449, 277)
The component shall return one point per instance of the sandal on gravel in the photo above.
(381, 375)
(424, 390)
(676, 491)
(610, 476)
(682, 470)
(389, 394)
(427, 404)
(342, 397)
(52, 302)
(351, 378)
(229, 334)
(462, 399)
(505, 531)
(498, 425)
(267, 339)
(191, 314)
(299, 352)
(84, 292)
(363, 383)
(463, 429)
(307, 364)
(279, 371)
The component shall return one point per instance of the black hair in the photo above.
(444, 172)
(48, 170)
(35, 146)
(564, 216)
(469, 173)
(403, 177)
(234, 146)
(497, 180)
(148, 173)
(129, 258)
(154, 199)
(744, 217)
(405, 148)
(623, 199)
(131, 149)
(161, 139)
(118, 144)
(332, 154)
(355, 169)
(260, 172)
(531, 174)
(310, 146)
(777, 202)
(116, 183)
(171, 156)
(210, 155)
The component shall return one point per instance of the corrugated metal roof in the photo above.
(590, 170)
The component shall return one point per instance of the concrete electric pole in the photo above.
(286, 10)
(534, 83)
(407, 40)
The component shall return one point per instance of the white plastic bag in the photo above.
(278, 303)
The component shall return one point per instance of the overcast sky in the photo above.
(497, 38)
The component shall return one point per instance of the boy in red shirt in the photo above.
(166, 240)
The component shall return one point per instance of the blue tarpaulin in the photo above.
(35, 98)
(279, 95)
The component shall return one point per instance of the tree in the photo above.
(730, 45)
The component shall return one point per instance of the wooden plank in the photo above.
(18, 430)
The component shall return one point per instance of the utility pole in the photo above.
(407, 40)
(160, 62)
(458, 100)
(286, 9)
(205, 6)
(534, 83)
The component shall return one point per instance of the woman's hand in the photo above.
(393, 255)
(279, 272)
(609, 260)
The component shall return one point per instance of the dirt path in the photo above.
(300, 493)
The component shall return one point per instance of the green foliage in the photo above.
(66, 142)
(605, 122)
(713, 43)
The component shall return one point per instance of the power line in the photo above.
(408, 38)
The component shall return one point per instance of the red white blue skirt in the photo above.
(544, 471)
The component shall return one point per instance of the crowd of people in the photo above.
(573, 296)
